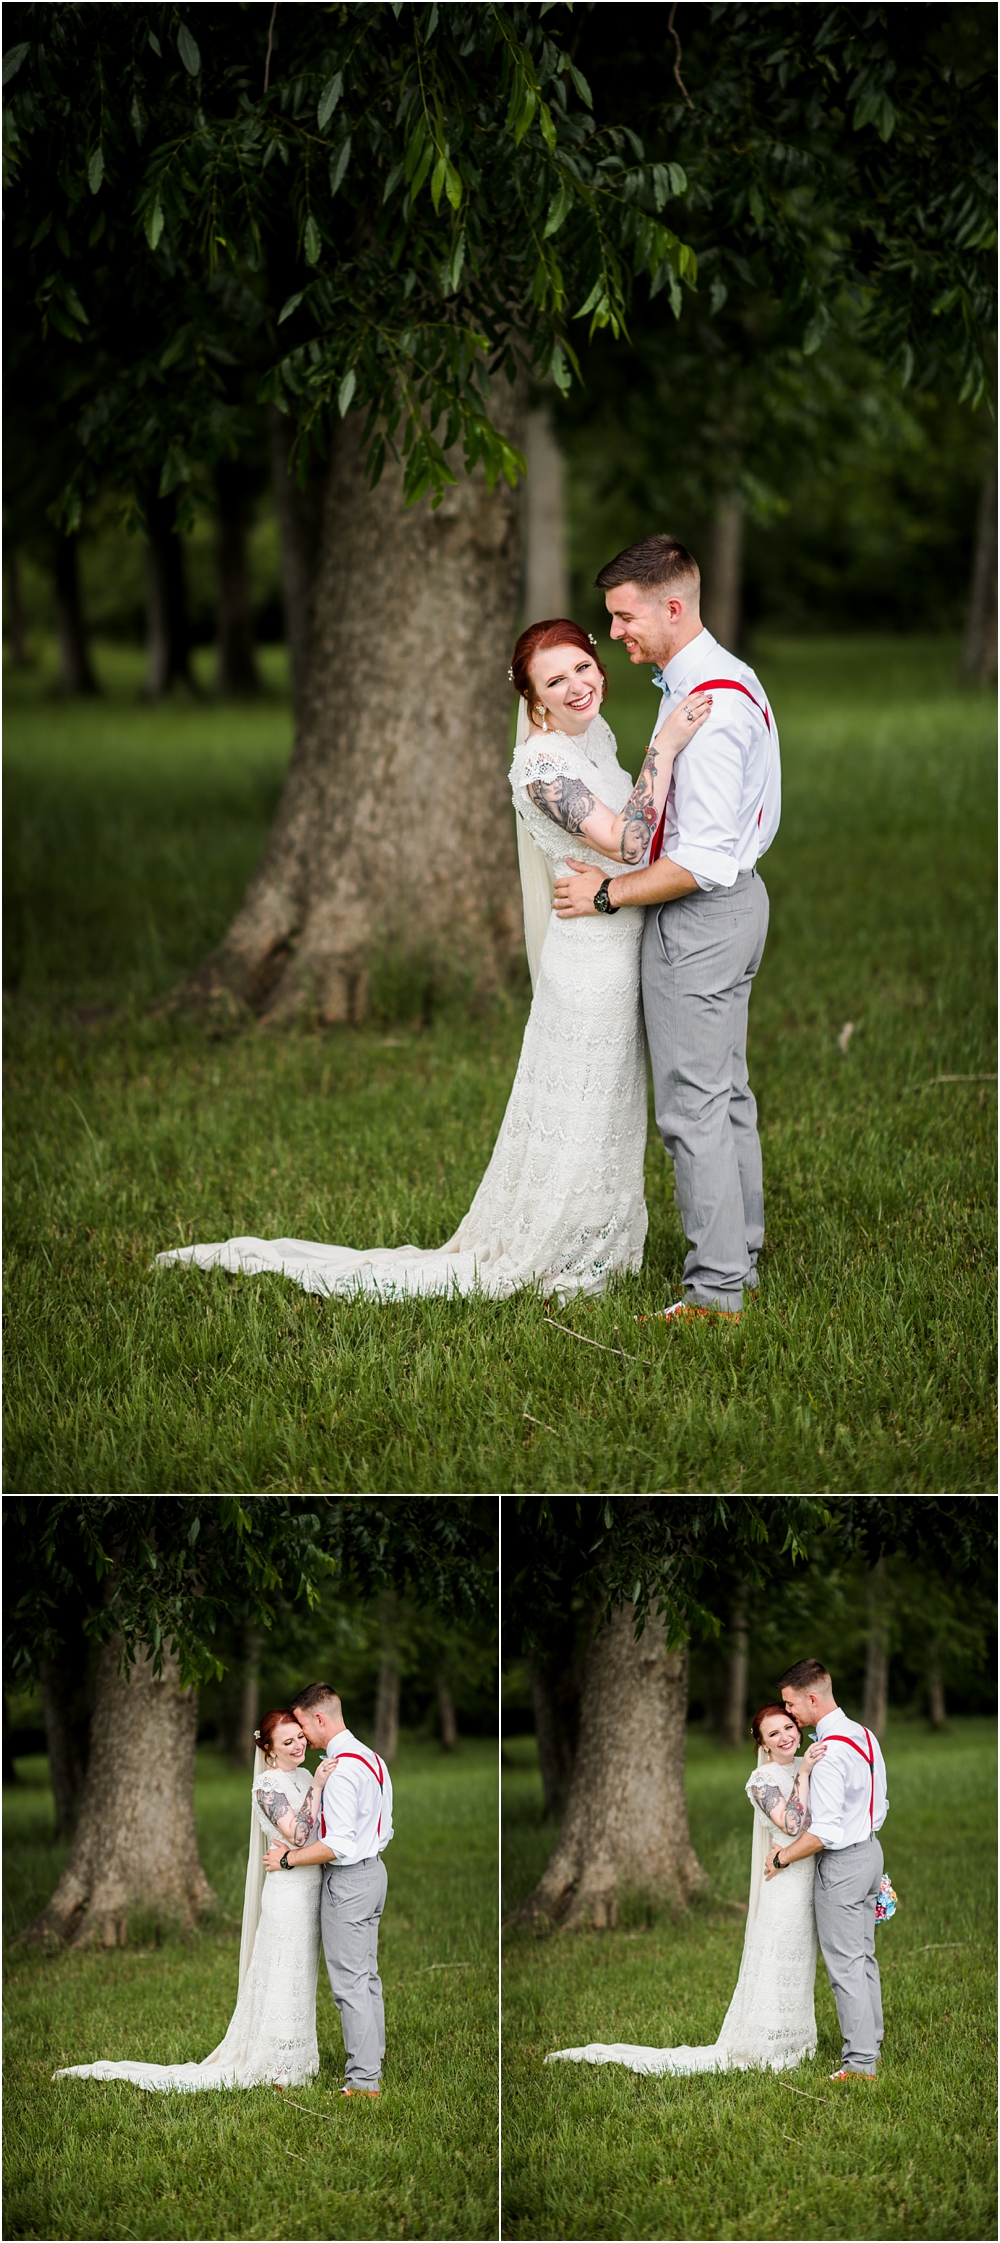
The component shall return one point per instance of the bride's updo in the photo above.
(560, 632)
(762, 1715)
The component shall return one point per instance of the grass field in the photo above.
(865, 1366)
(87, 2158)
(600, 2153)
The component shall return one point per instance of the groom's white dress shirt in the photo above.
(724, 800)
(840, 1787)
(353, 1805)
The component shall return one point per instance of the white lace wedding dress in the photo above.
(271, 2037)
(771, 2020)
(561, 1205)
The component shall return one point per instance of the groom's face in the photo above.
(311, 1728)
(646, 623)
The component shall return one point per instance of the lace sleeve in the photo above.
(538, 760)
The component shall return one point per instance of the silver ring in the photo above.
(691, 715)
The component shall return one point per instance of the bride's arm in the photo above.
(297, 1824)
(791, 1814)
(571, 804)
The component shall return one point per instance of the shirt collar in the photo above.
(694, 656)
(836, 1715)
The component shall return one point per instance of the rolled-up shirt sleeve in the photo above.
(708, 796)
(826, 1800)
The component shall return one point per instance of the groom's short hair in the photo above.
(807, 1674)
(654, 565)
(317, 1694)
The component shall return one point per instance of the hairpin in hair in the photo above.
(257, 1735)
(510, 677)
(592, 639)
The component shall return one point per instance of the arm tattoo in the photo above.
(305, 1823)
(797, 1816)
(640, 813)
(567, 801)
(771, 1797)
(275, 1805)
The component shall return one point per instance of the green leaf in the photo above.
(594, 298)
(560, 371)
(346, 391)
(580, 83)
(12, 61)
(339, 163)
(138, 118)
(453, 186)
(329, 98)
(437, 180)
(290, 306)
(392, 182)
(548, 128)
(432, 21)
(95, 170)
(154, 223)
(313, 241)
(814, 334)
(155, 44)
(195, 1529)
(756, 202)
(558, 207)
(188, 51)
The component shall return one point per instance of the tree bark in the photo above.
(723, 602)
(66, 1708)
(237, 663)
(877, 1660)
(75, 672)
(135, 1846)
(299, 508)
(937, 1713)
(625, 1827)
(546, 581)
(17, 627)
(168, 643)
(446, 1714)
(386, 1739)
(978, 663)
(393, 838)
(734, 1719)
(555, 1696)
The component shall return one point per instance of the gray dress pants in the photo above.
(699, 957)
(351, 1905)
(844, 1896)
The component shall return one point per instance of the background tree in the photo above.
(663, 1569)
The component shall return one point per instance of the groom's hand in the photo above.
(575, 898)
(769, 1868)
(272, 1858)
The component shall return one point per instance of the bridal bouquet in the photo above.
(885, 1905)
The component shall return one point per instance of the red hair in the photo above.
(761, 1715)
(269, 1722)
(558, 632)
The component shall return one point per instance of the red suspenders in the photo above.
(733, 686)
(380, 1780)
(869, 1758)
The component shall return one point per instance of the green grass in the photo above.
(86, 2158)
(864, 1367)
(595, 2153)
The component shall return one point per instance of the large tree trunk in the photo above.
(135, 1846)
(168, 643)
(555, 1696)
(17, 626)
(723, 598)
(299, 508)
(75, 673)
(249, 1706)
(979, 647)
(877, 1660)
(625, 1827)
(734, 1719)
(546, 582)
(393, 837)
(66, 1707)
(237, 663)
(937, 1713)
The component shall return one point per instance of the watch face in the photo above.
(602, 900)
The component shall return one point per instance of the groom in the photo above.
(706, 917)
(355, 1825)
(847, 1807)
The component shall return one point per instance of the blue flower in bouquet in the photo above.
(885, 1904)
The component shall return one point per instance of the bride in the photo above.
(770, 2020)
(271, 2036)
(561, 1205)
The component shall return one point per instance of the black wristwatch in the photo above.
(602, 900)
(778, 1863)
(284, 1863)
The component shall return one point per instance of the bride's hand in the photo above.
(810, 1758)
(325, 1769)
(682, 724)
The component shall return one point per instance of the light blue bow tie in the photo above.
(660, 681)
